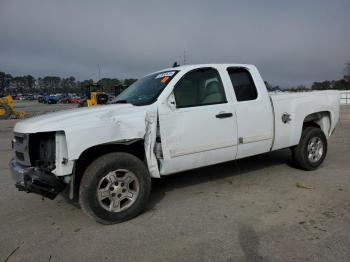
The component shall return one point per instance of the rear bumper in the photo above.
(33, 180)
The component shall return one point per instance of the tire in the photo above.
(5, 111)
(102, 99)
(110, 171)
(311, 150)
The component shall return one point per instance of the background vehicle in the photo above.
(74, 100)
(40, 98)
(18, 97)
(167, 122)
(50, 99)
(29, 97)
(64, 99)
(95, 96)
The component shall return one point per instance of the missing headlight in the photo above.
(42, 150)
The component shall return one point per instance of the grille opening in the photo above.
(20, 147)
(19, 139)
(42, 149)
(19, 156)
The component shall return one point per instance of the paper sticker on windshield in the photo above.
(170, 73)
(164, 79)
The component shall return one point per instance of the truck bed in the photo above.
(297, 105)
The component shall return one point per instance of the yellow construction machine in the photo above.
(95, 96)
(7, 108)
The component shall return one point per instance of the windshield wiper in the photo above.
(122, 101)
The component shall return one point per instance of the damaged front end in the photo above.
(34, 180)
(33, 164)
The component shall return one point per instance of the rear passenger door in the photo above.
(254, 111)
(200, 129)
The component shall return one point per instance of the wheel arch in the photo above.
(133, 147)
(321, 120)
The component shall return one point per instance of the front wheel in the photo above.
(312, 149)
(114, 188)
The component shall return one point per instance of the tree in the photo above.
(108, 82)
(129, 81)
(321, 85)
(341, 85)
(271, 88)
(347, 73)
(29, 82)
(68, 85)
(51, 83)
(19, 82)
(72, 82)
(84, 84)
(5, 80)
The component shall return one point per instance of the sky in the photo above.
(291, 42)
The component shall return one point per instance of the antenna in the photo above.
(184, 57)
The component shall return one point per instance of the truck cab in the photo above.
(203, 113)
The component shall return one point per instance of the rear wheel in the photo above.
(5, 111)
(102, 99)
(114, 188)
(312, 149)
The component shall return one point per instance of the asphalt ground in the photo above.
(245, 210)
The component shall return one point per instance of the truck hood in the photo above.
(85, 128)
(70, 119)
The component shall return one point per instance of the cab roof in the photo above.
(194, 66)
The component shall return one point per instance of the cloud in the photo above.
(292, 43)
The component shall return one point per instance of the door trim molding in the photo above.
(198, 149)
(252, 139)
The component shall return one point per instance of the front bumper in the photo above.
(31, 179)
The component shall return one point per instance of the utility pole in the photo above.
(99, 72)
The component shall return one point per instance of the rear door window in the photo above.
(243, 84)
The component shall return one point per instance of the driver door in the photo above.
(198, 125)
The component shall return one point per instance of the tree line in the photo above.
(341, 84)
(54, 84)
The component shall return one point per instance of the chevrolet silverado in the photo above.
(169, 121)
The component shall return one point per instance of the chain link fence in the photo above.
(345, 97)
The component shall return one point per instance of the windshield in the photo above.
(146, 90)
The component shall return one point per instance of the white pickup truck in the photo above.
(173, 120)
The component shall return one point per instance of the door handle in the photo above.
(223, 115)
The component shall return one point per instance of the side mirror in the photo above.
(172, 102)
